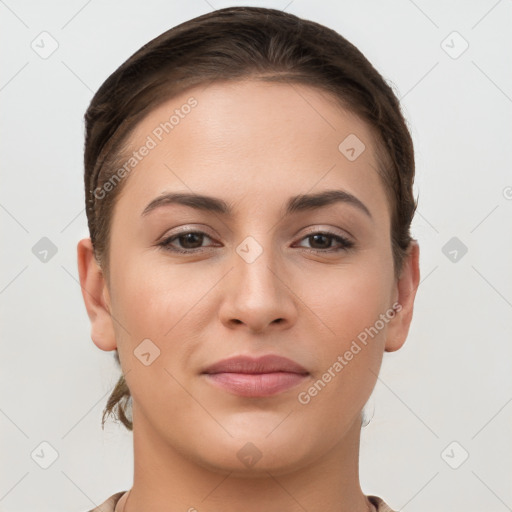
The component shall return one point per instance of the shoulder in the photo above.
(109, 504)
(380, 504)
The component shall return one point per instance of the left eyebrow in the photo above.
(325, 198)
(295, 204)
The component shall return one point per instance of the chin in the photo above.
(248, 456)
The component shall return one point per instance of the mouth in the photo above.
(261, 377)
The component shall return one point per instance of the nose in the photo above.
(257, 295)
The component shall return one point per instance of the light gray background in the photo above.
(452, 380)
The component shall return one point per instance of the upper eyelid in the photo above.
(329, 231)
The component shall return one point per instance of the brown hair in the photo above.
(238, 43)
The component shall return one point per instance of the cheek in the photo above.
(156, 303)
(349, 300)
(351, 346)
(152, 299)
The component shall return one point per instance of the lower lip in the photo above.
(256, 384)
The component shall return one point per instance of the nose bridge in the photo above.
(258, 295)
(255, 265)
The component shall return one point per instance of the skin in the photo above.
(253, 145)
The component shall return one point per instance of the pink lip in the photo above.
(260, 377)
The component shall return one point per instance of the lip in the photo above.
(256, 377)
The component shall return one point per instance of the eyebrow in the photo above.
(295, 204)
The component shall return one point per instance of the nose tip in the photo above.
(256, 297)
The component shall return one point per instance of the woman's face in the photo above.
(254, 279)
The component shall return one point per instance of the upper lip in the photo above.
(265, 364)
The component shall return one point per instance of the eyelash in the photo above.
(346, 244)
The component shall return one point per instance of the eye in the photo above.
(323, 239)
(190, 241)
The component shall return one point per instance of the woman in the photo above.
(248, 182)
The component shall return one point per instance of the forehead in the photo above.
(253, 139)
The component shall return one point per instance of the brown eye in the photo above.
(322, 242)
(189, 242)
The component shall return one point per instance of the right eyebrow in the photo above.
(197, 201)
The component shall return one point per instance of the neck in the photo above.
(167, 480)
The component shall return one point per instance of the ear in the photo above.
(406, 287)
(96, 296)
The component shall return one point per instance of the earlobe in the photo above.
(407, 286)
(96, 297)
